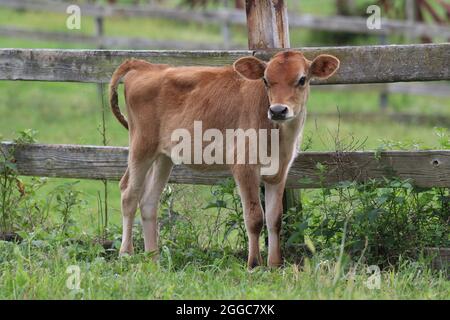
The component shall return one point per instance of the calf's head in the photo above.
(286, 78)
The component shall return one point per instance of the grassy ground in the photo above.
(71, 113)
(30, 272)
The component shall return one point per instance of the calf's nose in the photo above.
(278, 112)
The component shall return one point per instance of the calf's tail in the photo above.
(122, 70)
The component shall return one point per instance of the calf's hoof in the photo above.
(126, 251)
(274, 264)
(153, 255)
(254, 262)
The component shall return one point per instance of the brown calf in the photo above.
(251, 94)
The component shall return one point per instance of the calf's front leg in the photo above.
(274, 212)
(247, 180)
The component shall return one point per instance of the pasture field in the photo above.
(30, 272)
(202, 249)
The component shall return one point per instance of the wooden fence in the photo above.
(365, 64)
(424, 168)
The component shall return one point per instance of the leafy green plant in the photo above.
(229, 221)
(103, 209)
(443, 136)
(67, 200)
(33, 212)
(22, 208)
(12, 189)
(385, 219)
(102, 217)
(8, 191)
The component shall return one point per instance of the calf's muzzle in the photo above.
(278, 112)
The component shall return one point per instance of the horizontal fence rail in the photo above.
(359, 64)
(96, 65)
(108, 41)
(424, 168)
(326, 23)
(440, 120)
(435, 89)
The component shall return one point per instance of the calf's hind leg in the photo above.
(131, 187)
(156, 180)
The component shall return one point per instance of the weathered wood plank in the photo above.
(267, 24)
(435, 89)
(412, 119)
(305, 21)
(425, 168)
(96, 65)
(109, 42)
(359, 64)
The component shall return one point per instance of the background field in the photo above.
(72, 113)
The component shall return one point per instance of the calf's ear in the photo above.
(250, 67)
(324, 66)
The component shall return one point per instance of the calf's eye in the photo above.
(301, 81)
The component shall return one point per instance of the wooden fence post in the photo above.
(267, 25)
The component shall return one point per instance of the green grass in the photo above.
(29, 271)
(71, 113)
